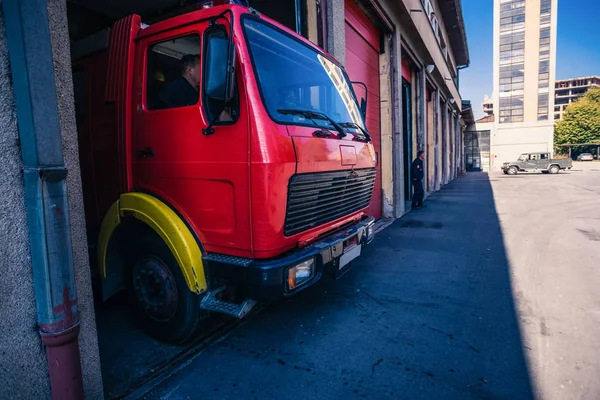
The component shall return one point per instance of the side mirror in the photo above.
(220, 73)
(363, 107)
(363, 101)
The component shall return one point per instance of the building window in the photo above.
(430, 12)
(545, 19)
(511, 109)
(543, 107)
(545, 8)
(512, 16)
(512, 57)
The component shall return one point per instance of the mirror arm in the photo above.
(209, 130)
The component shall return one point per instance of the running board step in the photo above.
(211, 302)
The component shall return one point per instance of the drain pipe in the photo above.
(44, 174)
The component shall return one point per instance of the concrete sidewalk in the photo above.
(427, 312)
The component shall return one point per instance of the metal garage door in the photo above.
(362, 64)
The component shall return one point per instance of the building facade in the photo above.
(524, 76)
(567, 91)
(409, 53)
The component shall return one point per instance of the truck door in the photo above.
(532, 162)
(204, 177)
(543, 161)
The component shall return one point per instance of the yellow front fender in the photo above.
(167, 224)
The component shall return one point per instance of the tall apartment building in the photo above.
(524, 75)
(569, 90)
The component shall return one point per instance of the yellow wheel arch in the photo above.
(167, 224)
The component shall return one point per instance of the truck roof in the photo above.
(99, 40)
(238, 11)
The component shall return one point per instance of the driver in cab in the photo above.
(183, 91)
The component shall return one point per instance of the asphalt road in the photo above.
(552, 234)
(491, 292)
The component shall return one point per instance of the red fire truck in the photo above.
(225, 160)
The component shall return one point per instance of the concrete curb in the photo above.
(382, 224)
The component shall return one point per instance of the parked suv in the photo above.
(536, 162)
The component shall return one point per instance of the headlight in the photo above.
(299, 274)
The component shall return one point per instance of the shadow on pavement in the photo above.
(427, 312)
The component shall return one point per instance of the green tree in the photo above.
(581, 121)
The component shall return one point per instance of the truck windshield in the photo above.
(524, 157)
(293, 76)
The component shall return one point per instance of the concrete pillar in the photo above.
(388, 121)
(422, 121)
(24, 362)
(398, 139)
(438, 139)
(336, 30)
(24, 370)
(445, 124)
(88, 341)
(451, 136)
(455, 145)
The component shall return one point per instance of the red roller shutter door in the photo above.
(362, 64)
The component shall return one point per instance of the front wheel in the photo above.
(167, 309)
(512, 171)
(554, 169)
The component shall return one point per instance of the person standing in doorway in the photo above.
(416, 176)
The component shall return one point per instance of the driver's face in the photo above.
(193, 73)
(422, 157)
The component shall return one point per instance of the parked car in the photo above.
(537, 162)
(585, 157)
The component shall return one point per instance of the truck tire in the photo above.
(554, 169)
(164, 305)
(512, 171)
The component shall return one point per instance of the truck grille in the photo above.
(317, 198)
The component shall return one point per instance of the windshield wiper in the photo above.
(357, 126)
(315, 115)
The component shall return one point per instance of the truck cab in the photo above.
(253, 184)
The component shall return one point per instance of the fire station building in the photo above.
(407, 53)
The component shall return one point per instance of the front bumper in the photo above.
(267, 279)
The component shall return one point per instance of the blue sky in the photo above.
(578, 51)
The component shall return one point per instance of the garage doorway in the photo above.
(129, 356)
(363, 46)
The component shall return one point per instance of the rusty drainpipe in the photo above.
(44, 174)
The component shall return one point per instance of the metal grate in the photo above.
(317, 198)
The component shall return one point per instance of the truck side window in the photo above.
(544, 156)
(214, 110)
(173, 73)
